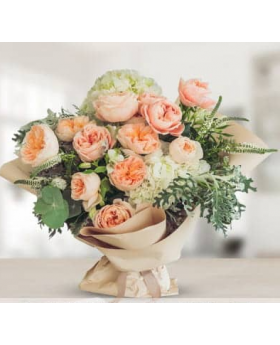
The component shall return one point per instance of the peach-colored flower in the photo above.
(184, 150)
(128, 174)
(163, 116)
(112, 215)
(85, 187)
(148, 98)
(139, 138)
(40, 144)
(116, 107)
(92, 142)
(67, 128)
(194, 93)
(137, 118)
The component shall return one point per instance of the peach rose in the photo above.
(184, 150)
(139, 138)
(163, 116)
(39, 145)
(85, 187)
(112, 215)
(128, 174)
(137, 118)
(92, 142)
(194, 93)
(67, 128)
(116, 107)
(149, 98)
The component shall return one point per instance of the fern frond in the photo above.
(47, 165)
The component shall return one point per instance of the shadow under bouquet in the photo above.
(130, 171)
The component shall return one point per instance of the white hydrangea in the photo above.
(161, 171)
(120, 81)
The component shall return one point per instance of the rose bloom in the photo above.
(85, 187)
(184, 150)
(149, 98)
(112, 215)
(128, 174)
(139, 138)
(137, 118)
(39, 145)
(194, 93)
(67, 128)
(92, 142)
(163, 116)
(116, 107)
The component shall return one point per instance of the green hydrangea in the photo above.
(119, 81)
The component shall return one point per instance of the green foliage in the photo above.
(35, 183)
(47, 165)
(214, 191)
(70, 161)
(75, 224)
(105, 187)
(230, 146)
(52, 208)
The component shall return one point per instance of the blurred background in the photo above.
(37, 76)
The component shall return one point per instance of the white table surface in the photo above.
(200, 280)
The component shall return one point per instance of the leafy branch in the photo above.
(215, 192)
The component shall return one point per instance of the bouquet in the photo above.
(130, 171)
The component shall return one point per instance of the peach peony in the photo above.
(85, 187)
(184, 150)
(116, 107)
(163, 116)
(67, 128)
(194, 93)
(92, 142)
(112, 215)
(128, 174)
(39, 145)
(139, 138)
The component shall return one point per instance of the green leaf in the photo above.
(53, 209)
(88, 171)
(40, 207)
(100, 170)
(105, 187)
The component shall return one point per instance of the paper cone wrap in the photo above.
(137, 251)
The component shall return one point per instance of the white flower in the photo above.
(204, 167)
(115, 156)
(120, 81)
(59, 183)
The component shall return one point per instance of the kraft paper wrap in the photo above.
(136, 252)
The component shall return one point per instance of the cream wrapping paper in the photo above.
(140, 244)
